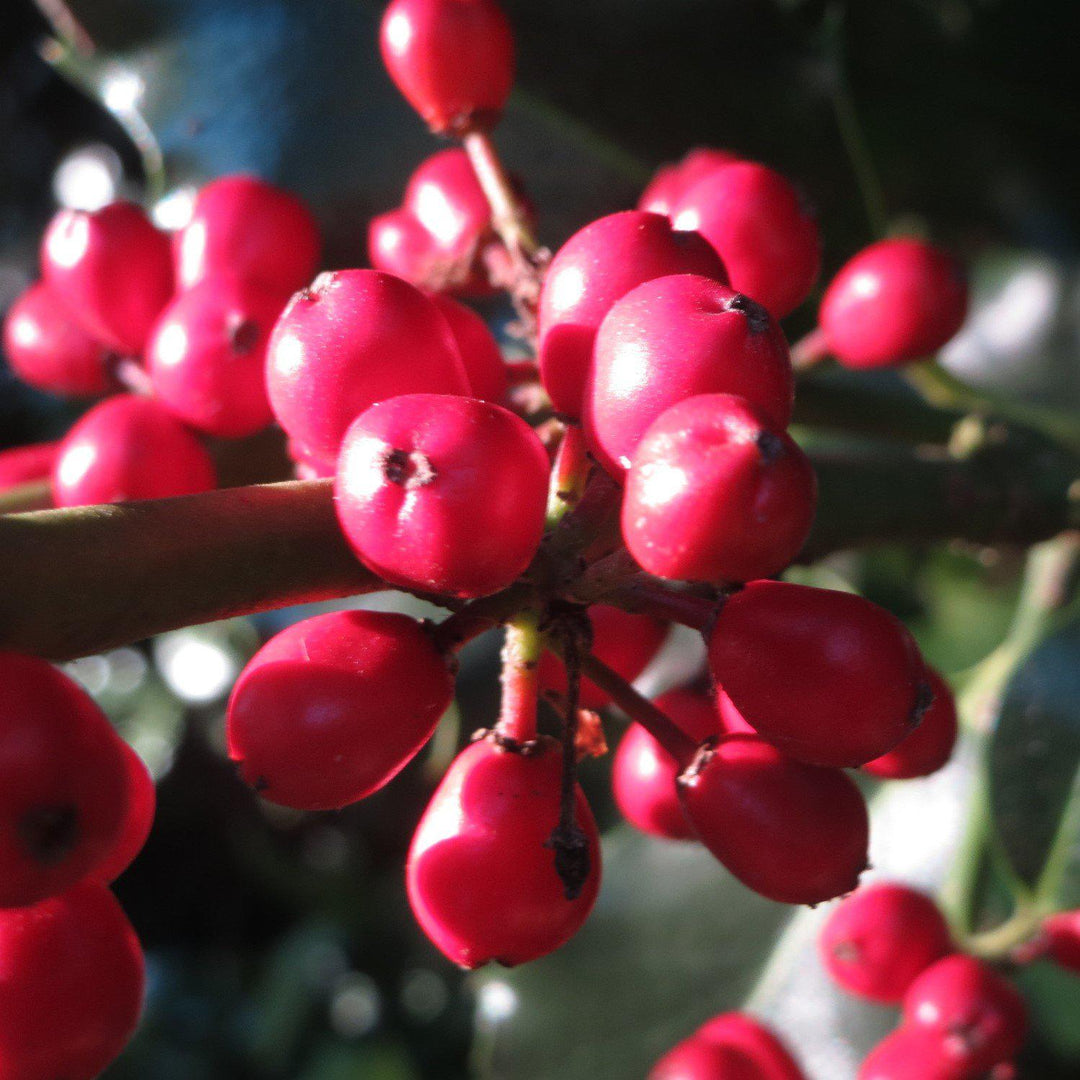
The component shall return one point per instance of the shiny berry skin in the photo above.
(398, 244)
(879, 939)
(794, 833)
(1060, 939)
(443, 494)
(71, 985)
(623, 640)
(488, 824)
(63, 782)
(674, 338)
(207, 356)
(453, 60)
(911, 1053)
(24, 464)
(244, 227)
(480, 353)
(701, 1059)
(129, 448)
(671, 182)
(896, 301)
(979, 1016)
(756, 1041)
(715, 493)
(826, 676)
(141, 805)
(643, 774)
(763, 230)
(929, 747)
(112, 269)
(732, 722)
(334, 707)
(445, 197)
(47, 347)
(596, 267)
(309, 466)
(353, 338)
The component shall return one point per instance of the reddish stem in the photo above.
(520, 679)
(810, 350)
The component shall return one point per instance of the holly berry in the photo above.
(480, 353)
(49, 349)
(732, 722)
(671, 182)
(112, 269)
(826, 676)
(700, 1059)
(64, 788)
(1060, 939)
(445, 197)
(354, 338)
(911, 1053)
(487, 825)
(596, 267)
(625, 641)
(334, 707)
(756, 1041)
(792, 832)
(24, 464)
(129, 448)
(716, 494)
(71, 985)
(643, 774)
(207, 355)
(762, 228)
(453, 60)
(244, 227)
(309, 466)
(398, 244)
(894, 302)
(979, 1016)
(929, 747)
(443, 494)
(141, 804)
(880, 938)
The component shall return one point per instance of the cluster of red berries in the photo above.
(731, 1046)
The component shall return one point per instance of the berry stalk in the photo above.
(520, 678)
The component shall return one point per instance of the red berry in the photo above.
(129, 448)
(334, 707)
(207, 356)
(643, 774)
(714, 493)
(674, 338)
(826, 676)
(47, 347)
(142, 802)
(979, 1016)
(398, 244)
(309, 466)
(24, 464)
(877, 940)
(792, 832)
(626, 642)
(929, 746)
(480, 353)
(112, 269)
(244, 227)
(671, 182)
(1061, 939)
(701, 1059)
(64, 789)
(596, 267)
(911, 1053)
(488, 825)
(445, 197)
(354, 338)
(71, 986)
(763, 230)
(732, 722)
(443, 494)
(453, 60)
(896, 301)
(756, 1041)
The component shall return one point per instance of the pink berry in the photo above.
(880, 938)
(701, 1059)
(671, 182)
(445, 197)
(826, 676)
(715, 493)
(207, 356)
(335, 706)
(443, 494)
(763, 230)
(911, 1053)
(244, 227)
(25, 464)
(488, 825)
(978, 1015)
(643, 774)
(309, 466)
(674, 338)
(47, 347)
(112, 269)
(1061, 939)
(398, 244)
(138, 821)
(596, 267)
(794, 833)
(129, 448)
(929, 747)
(896, 301)
(480, 353)
(756, 1041)
(354, 338)
(453, 60)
